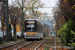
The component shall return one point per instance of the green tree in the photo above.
(72, 39)
(64, 32)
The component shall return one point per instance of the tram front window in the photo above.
(30, 27)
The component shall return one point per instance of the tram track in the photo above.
(40, 44)
(46, 45)
(8, 45)
(32, 46)
(13, 46)
(23, 46)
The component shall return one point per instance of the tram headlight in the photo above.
(24, 33)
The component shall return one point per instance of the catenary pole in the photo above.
(22, 18)
(7, 24)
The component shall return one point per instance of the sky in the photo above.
(48, 3)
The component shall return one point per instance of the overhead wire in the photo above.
(49, 2)
(49, 5)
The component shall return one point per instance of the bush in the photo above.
(65, 32)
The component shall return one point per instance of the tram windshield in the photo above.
(30, 26)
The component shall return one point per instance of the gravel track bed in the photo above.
(47, 45)
(58, 42)
(32, 45)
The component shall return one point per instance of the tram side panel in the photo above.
(39, 30)
(40, 35)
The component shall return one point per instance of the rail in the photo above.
(40, 44)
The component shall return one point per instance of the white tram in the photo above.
(33, 29)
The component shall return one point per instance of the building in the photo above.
(1, 3)
(0, 10)
(3, 8)
(2, 14)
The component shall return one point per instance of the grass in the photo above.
(58, 41)
(46, 49)
(47, 45)
(4, 42)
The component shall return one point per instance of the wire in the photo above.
(49, 2)
(41, 7)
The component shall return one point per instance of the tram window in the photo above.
(30, 27)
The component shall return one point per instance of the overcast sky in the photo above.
(47, 3)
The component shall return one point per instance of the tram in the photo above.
(53, 34)
(33, 29)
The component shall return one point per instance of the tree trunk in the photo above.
(15, 32)
(62, 42)
(10, 35)
(3, 30)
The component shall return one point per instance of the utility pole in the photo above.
(7, 24)
(22, 18)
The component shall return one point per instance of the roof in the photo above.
(34, 19)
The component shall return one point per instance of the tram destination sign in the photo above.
(30, 22)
